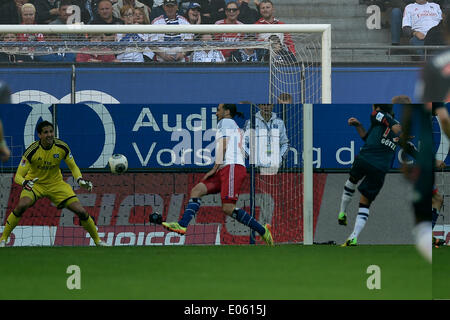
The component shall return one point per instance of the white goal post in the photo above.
(321, 88)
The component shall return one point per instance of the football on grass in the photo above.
(155, 218)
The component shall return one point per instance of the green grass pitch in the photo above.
(285, 272)
(441, 273)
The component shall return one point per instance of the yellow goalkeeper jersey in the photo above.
(44, 164)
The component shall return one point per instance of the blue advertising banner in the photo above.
(155, 136)
(193, 84)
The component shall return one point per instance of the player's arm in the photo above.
(221, 148)
(359, 127)
(21, 173)
(76, 173)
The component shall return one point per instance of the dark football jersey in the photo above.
(435, 83)
(381, 142)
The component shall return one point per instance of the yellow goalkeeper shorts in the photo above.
(60, 193)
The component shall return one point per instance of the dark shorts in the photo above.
(373, 178)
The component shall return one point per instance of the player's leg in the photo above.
(360, 222)
(63, 195)
(192, 207)
(86, 220)
(239, 214)
(195, 201)
(231, 179)
(356, 174)
(369, 189)
(14, 217)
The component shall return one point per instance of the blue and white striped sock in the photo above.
(191, 210)
(246, 219)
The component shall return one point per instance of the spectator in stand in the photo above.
(46, 10)
(247, 15)
(127, 15)
(232, 13)
(29, 17)
(436, 35)
(105, 14)
(192, 14)
(91, 7)
(62, 12)
(157, 9)
(418, 18)
(267, 11)
(171, 17)
(90, 55)
(280, 54)
(247, 54)
(10, 54)
(205, 9)
(398, 7)
(140, 17)
(217, 10)
(133, 3)
(10, 12)
(207, 55)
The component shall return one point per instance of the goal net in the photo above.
(442, 176)
(298, 56)
(299, 74)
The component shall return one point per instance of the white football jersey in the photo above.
(422, 17)
(234, 154)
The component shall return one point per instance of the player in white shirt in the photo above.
(418, 18)
(226, 177)
(171, 17)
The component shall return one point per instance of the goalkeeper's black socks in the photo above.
(191, 210)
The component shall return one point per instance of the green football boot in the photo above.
(175, 227)
(268, 235)
(342, 218)
(350, 243)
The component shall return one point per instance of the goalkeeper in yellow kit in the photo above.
(40, 176)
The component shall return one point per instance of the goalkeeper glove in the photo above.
(29, 184)
(85, 184)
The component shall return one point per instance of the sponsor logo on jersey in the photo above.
(56, 156)
(379, 116)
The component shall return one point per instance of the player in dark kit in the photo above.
(371, 165)
(421, 174)
(434, 85)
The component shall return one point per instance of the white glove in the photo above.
(29, 184)
(85, 184)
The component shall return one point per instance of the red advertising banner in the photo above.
(121, 206)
